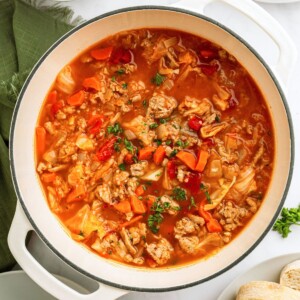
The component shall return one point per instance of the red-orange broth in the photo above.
(154, 148)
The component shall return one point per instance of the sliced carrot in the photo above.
(159, 155)
(77, 194)
(203, 213)
(52, 97)
(137, 205)
(95, 123)
(150, 201)
(202, 160)
(40, 139)
(214, 226)
(76, 99)
(188, 158)
(102, 53)
(139, 191)
(48, 177)
(128, 159)
(92, 83)
(132, 221)
(123, 207)
(146, 153)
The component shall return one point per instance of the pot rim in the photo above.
(95, 19)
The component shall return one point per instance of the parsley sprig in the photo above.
(206, 193)
(179, 194)
(115, 129)
(158, 79)
(289, 217)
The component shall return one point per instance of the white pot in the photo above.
(119, 278)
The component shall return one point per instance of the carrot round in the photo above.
(77, 194)
(76, 99)
(187, 158)
(132, 221)
(102, 53)
(48, 177)
(202, 160)
(91, 83)
(146, 153)
(137, 205)
(159, 155)
(40, 139)
(140, 190)
(123, 207)
(203, 213)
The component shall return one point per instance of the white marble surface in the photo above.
(272, 245)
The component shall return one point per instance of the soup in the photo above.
(154, 148)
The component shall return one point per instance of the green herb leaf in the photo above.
(289, 217)
(124, 86)
(128, 146)
(115, 129)
(206, 193)
(181, 144)
(192, 203)
(145, 104)
(122, 167)
(153, 125)
(173, 153)
(120, 72)
(117, 147)
(157, 141)
(217, 119)
(179, 194)
(168, 142)
(113, 79)
(163, 121)
(158, 79)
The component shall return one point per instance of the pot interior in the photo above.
(23, 159)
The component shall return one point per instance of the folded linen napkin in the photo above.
(27, 29)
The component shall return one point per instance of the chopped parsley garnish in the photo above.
(120, 72)
(113, 79)
(128, 146)
(129, 102)
(157, 141)
(153, 125)
(179, 194)
(122, 167)
(135, 159)
(217, 119)
(117, 147)
(288, 217)
(206, 193)
(81, 233)
(168, 142)
(158, 79)
(163, 121)
(124, 86)
(173, 153)
(192, 203)
(155, 219)
(115, 129)
(145, 103)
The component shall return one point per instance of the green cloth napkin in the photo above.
(27, 29)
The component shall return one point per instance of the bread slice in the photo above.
(290, 275)
(265, 290)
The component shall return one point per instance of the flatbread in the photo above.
(290, 275)
(265, 290)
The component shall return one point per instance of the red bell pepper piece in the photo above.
(106, 151)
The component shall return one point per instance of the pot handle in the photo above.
(16, 241)
(287, 49)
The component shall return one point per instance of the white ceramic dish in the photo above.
(268, 270)
(16, 285)
(277, 1)
(31, 196)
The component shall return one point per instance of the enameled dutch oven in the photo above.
(114, 278)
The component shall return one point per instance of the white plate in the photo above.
(267, 270)
(16, 285)
(277, 1)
